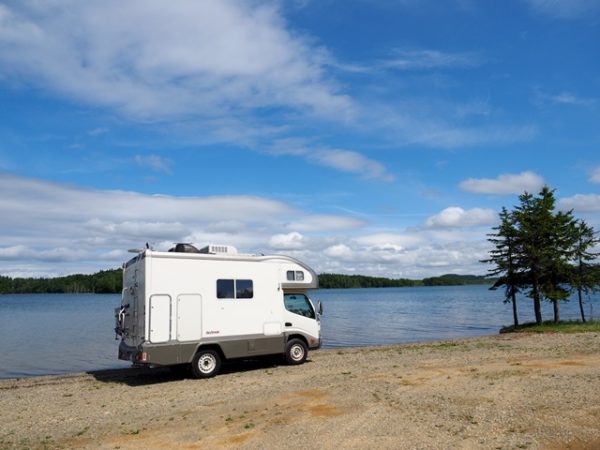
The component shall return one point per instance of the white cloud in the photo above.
(44, 221)
(351, 161)
(564, 9)
(567, 98)
(595, 175)
(430, 59)
(51, 229)
(410, 60)
(98, 131)
(423, 122)
(154, 162)
(211, 59)
(324, 222)
(580, 203)
(289, 241)
(395, 242)
(504, 184)
(562, 98)
(456, 217)
(339, 159)
(339, 251)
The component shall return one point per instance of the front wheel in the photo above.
(296, 352)
(206, 364)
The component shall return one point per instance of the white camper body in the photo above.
(199, 307)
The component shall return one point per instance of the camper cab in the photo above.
(200, 307)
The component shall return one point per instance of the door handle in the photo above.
(288, 324)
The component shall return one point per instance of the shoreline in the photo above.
(240, 363)
(500, 391)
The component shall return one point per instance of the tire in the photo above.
(296, 352)
(206, 364)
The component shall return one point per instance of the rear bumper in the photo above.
(133, 354)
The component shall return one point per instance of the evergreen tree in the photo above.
(557, 273)
(584, 276)
(534, 251)
(504, 256)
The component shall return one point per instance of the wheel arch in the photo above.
(297, 336)
(216, 347)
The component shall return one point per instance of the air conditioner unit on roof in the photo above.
(219, 249)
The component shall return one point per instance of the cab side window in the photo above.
(298, 304)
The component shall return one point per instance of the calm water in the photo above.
(48, 334)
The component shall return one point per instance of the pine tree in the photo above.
(504, 256)
(534, 251)
(583, 276)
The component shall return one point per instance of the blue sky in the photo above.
(375, 137)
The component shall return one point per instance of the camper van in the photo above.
(199, 307)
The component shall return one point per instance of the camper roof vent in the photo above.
(219, 249)
(184, 248)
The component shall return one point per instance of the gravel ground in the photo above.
(499, 392)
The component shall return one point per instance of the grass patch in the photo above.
(551, 327)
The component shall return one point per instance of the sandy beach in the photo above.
(498, 392)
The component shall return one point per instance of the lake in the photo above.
(57, 333)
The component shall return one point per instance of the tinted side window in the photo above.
(244, 289)
(298, 304)
(225, 289)
(298, 275)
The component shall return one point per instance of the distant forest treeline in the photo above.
(103, 282)
(340, 281)
(110, 282)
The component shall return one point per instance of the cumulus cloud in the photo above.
(581, 203)
(504, 184)
(339, 251)
(211, 59)
(52, 228)
(44, 221)
(289, 241)
(456, 217)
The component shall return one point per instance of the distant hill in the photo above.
(110, 282)
(456, 280)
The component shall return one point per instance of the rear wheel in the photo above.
(296, 352)
(206, 364)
